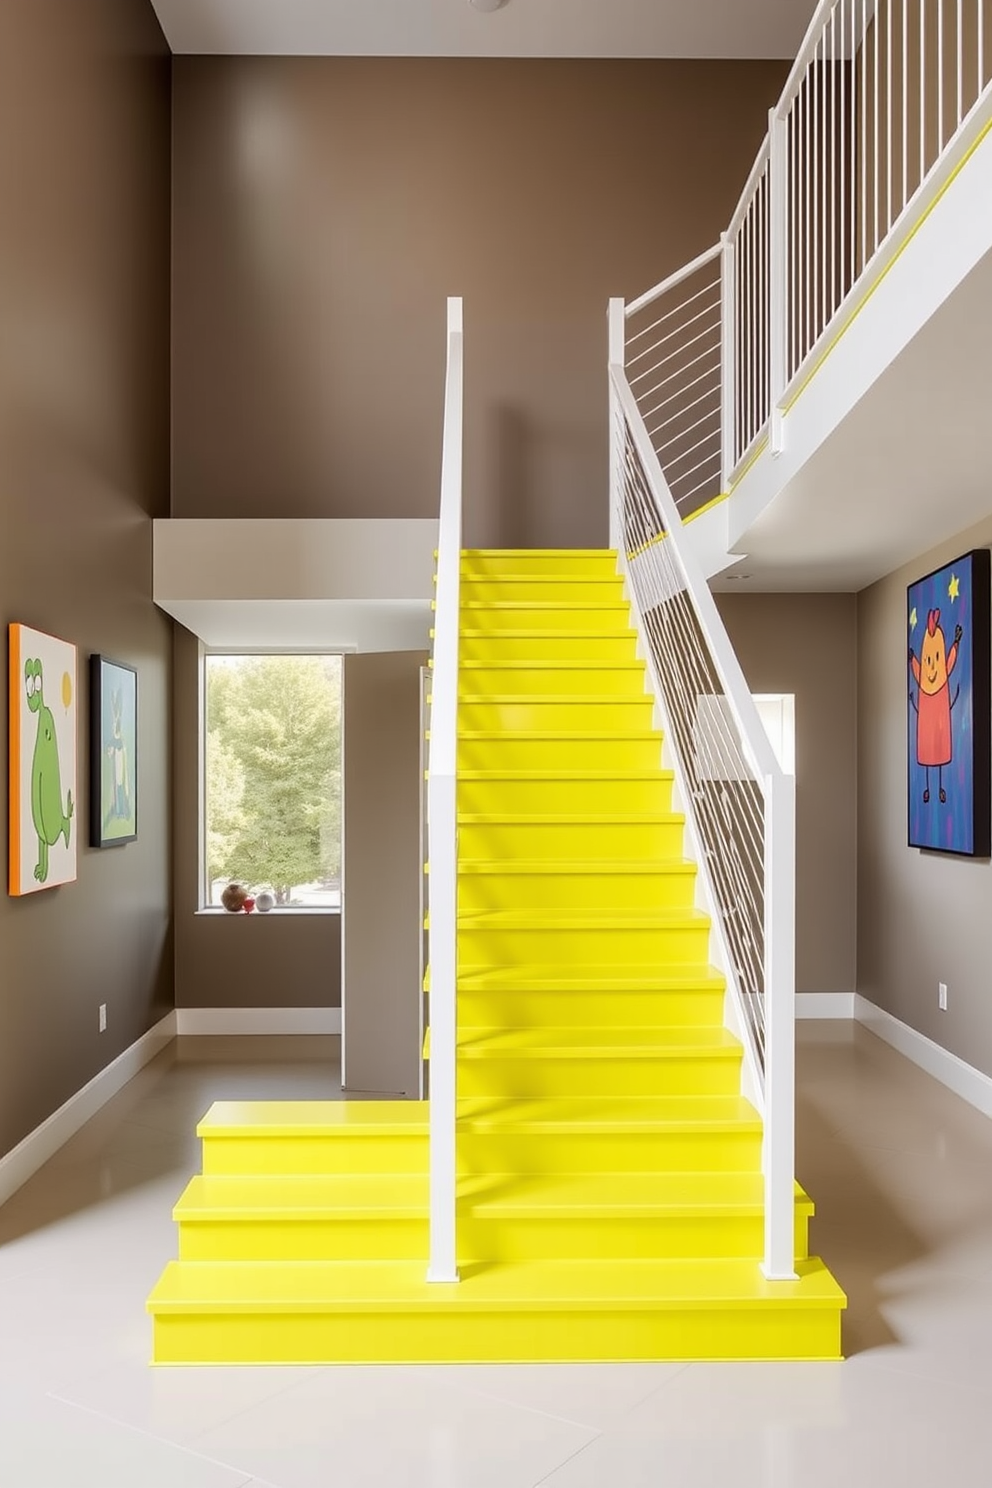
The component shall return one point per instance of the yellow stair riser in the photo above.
(544, 715)
(599, 1237)
(529, 1151)
(501, 751)
(334, 1153)
(584, 1009)
(547, 649)
(552, 679)
(378, 1237)
(440, 1335)
(578, 947)
(610, 616)
(592, 891)
(628, 840)
(505, 795)
(598, 563)
(522, 1078)
(483, 1238)
(561, 592)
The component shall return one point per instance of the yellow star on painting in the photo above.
(954, 588)
(913, 618)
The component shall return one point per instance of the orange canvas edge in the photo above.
(14, 779)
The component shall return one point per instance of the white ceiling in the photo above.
(454, 28)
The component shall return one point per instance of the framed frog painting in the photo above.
(42, 766)
(948, 708)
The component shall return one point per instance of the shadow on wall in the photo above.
(524, 481)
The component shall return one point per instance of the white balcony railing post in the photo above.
(778, 269)
(617, 357)
(728, 356)
(780, 1027)
(442, 825)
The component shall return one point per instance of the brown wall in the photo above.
(807, 644)
(325, 207)
(924, 917)
(383, 864)
(84, 466)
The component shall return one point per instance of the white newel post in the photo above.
(617, 357)
(778, 273)
(780, 1026)
(442, 826)
(728, 370)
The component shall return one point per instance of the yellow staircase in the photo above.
(610, 1193)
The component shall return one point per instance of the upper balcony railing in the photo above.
(885, 99)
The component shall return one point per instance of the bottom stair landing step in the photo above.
(320, 1312)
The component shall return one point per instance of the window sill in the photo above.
(218, 912)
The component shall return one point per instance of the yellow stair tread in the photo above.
(549, 634)
(565, 553)
(578, 919)
(306, 1197)
(544, 577)
(576, 818)
(608, 1114)
(657, 866)
(571, 665)
(665, 1042)
(623, 776)
(620, 1195)
(314, 1118)
(552, 699)
(532, 1286)
(548, 604)
(608, 977)
(288, 1196)
(618, 735)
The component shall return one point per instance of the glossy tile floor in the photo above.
(901, 1171)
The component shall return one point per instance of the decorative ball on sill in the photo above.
(264, 901)
(236, 899)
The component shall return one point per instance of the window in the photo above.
(272, 778)
(777, 712)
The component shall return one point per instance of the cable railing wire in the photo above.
(727, 799)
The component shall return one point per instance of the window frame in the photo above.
(204, 652)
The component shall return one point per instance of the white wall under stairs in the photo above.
(886, 447)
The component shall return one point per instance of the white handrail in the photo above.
(442, 823)
(777, 791)
(672, 281)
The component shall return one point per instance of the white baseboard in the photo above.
(962, 1078)
(24, 1160)
(271, 1021)
(825, 1004)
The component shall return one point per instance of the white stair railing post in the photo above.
(778, 269)
(617, 357)
(779, 1147)
(728, 359)
(442, 826)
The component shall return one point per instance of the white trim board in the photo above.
(825, 1004)
(966, 1081)
(217, 1021)
(24, 1160)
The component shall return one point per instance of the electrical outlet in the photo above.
(103, 1017)
(942, 996)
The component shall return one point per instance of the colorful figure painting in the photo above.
(42, 787)
(948, 711)
(113, 752)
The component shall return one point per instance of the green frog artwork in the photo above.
(51, 819)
